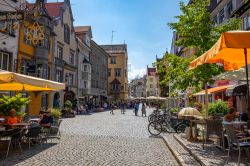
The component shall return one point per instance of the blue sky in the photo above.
(141, 24)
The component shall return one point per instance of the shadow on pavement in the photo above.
(16, 156)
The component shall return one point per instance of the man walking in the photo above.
(122, 107)
(136, 108)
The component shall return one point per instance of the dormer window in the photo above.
(66, 34)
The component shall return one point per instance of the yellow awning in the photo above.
(228, 50)
(10, 81)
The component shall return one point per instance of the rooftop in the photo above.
(115, 48)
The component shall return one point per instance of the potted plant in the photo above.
(218, 107)
(56, 113)
(17, 102)
(68, 113)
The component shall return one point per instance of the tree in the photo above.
(195, 30)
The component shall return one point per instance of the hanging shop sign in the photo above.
(17, 15)
(36, 34)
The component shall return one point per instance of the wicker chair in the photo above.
(234, 143)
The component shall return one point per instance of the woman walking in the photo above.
(143, 109)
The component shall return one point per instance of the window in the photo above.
(229, 8)
(221, 16)
(116, 87)
(85, 68)
(71, 58)
(245, 23)
(66, 34)
(113, 59)
(59, 52)
(118, 72)
(151, 79)
(7, 27)
(59, 76)
(25, 37)
(215, 20)
(151, 85)
(5, 61)
(109, 72)
(85, 84)
(70, 79)
(248, 22)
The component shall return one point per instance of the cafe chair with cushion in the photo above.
(236, 143)
(14, 137)
(33, 135)
(54, 131)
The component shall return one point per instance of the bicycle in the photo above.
(169, 125)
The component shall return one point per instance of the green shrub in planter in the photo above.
(15, 102)
(56, 113)
(68, 105)
(218, 107)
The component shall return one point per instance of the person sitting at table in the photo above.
(47, 119)
(244, 117)
(12, 119)
(232, 114)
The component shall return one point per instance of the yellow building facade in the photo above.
(34, 54)
(117, 71)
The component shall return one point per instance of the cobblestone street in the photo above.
(99, 139)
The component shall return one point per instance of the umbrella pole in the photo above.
(248, 101)
(206, 99)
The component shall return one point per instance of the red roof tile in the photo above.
(82, 28)
(115, 81)
(53, 8)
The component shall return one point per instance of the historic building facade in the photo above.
(117, 70)
(84, 35)
(99, 74)
(64, 53)
(9, 34)
(137, 87)
(152, 82)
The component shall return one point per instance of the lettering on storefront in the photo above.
(4, 16)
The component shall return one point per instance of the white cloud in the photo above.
(135, 72)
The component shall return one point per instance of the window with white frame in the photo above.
(59, 52)
(118, 72)
(85, 84)
(115, 87)
(71, 79)
(85, 68)
(5, 61)
(113, 60)
(59, 75)
(71, 58)
(229, 8)
(221, 16)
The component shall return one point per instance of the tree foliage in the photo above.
(195, 30)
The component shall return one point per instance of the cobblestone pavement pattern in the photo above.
(99, 139)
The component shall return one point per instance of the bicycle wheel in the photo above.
(180, 128)
(154, 128)
(152, 118)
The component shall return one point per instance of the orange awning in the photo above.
(213, 90)
(228, 50)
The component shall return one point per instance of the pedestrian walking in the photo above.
(143, 109)
(112, 107)
(136, 108)
(122, 107)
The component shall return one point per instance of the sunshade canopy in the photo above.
(233, 75)
(213, 90)
(189, 112)
(10, 81)
(228, 50)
